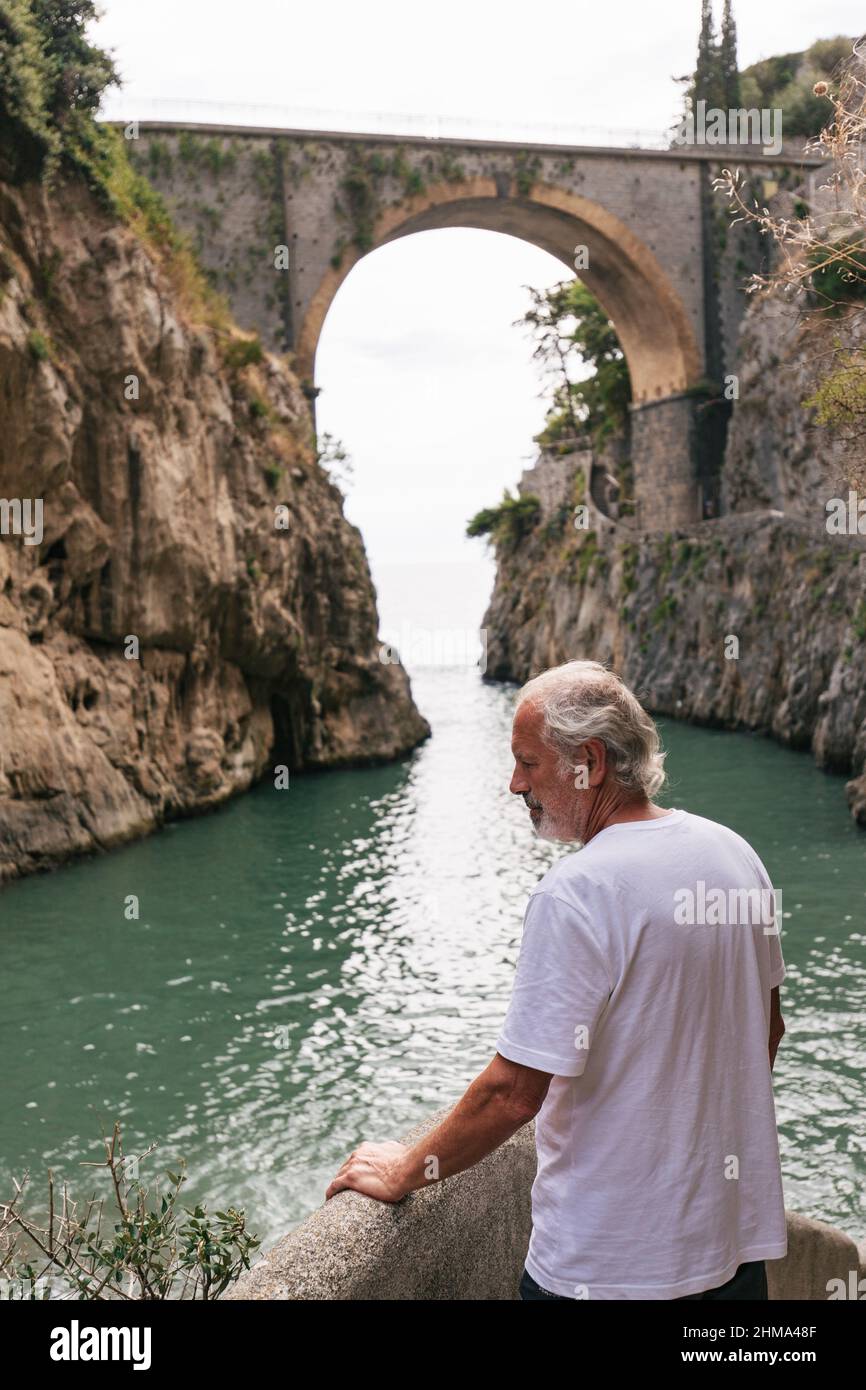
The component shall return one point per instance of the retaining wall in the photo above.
(466, 1238)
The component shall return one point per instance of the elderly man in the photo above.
(642, 1029)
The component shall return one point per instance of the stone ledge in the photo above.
(462, 1238)
(466, 1238)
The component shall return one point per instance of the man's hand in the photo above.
(377, 1170)
(499, 1102)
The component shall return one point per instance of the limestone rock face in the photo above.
(777, 456)
(660, 608)
(159, 471)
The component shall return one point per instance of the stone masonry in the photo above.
(657, 253)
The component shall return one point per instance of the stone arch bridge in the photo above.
(660, 255)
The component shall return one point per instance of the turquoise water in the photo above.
(330, 963)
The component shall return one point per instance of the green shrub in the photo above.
(159, 158)
(567, 324)
(41, 347)
(839, 400)
(556, 524)
(699, 562)
(360, 194)
(587, 555)
(241, 352)
(218, 159)
(134, 1243)
(273, 475)
(450, 169)
(666, 555)
(664, 611)
(527, 168)
(46, 275)
(508, 523)
(630, 554)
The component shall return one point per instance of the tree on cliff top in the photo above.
(784, 82)
(787, 83)
(729, 72)
(707, 83)
(569, 325)
(51, 83)
(715, 79)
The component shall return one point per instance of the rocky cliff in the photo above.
(777, 456)
(663, 608)
(196, 608)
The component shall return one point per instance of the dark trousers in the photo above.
(749, 1283)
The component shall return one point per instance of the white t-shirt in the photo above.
(658, 1157)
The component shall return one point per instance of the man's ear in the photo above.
(595, 756)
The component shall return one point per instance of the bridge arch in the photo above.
(650, 319)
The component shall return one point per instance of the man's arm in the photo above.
(777, 1024)
(504, 1098)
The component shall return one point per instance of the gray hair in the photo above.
(584, 699)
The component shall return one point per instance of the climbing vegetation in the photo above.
(508, 523)
(571, 332)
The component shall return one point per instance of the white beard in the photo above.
(550, 829)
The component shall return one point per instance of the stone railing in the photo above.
(467, 1236)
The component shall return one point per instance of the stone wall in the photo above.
(665, 471)
(551, 478)
(226, 195)
(466, 1238)
(463, 1238)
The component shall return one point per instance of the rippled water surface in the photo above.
(330, 963)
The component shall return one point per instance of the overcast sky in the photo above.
(423, 378)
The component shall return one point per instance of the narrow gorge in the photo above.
(197, 610)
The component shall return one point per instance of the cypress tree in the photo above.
(705, 86)
(730, 73)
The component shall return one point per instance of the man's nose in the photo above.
(519, 783)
